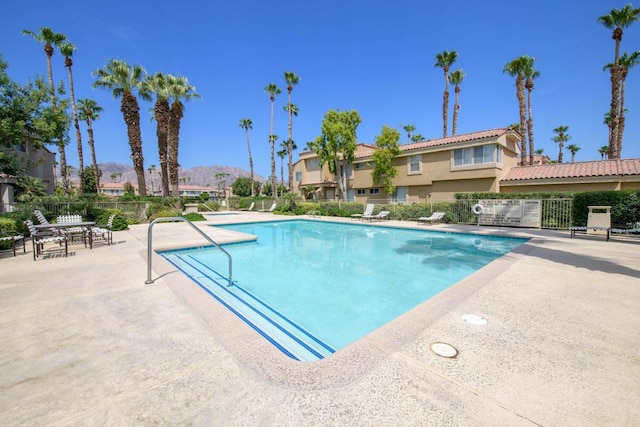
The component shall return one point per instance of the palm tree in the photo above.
(444, 60)
(282, 153)
(272, 90)
(291, 79)
(456, 77)
(530, 73)
(516, 68)
(626, 61)
(417, 138)
(408, 129)
(604, 151)
(50, 38)
(573, 148)
(114, 175)
(158, 85)
(616, 20)
(123, 80)
(178, 89)
(90, 111)
(247, 124)
(67, 50)
(561, 137)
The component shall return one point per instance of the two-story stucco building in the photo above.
(433, 169)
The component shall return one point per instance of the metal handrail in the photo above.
(179, 218)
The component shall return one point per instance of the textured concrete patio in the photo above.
(86, 342)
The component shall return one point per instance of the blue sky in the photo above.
(373, 56)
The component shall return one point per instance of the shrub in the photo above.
(194, 216)
(8, 226)
(165, 213)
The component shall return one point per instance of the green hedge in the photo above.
(625, 206)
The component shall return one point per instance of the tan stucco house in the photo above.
(429, 170)
(484, 161)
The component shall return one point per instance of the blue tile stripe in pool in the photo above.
(286, 335)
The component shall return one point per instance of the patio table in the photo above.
(66, 225)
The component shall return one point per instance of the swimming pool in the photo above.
(313, 287)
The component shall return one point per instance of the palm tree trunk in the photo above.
(92, 149)
(250, 163)
(445, 103)
(456, 107)
(621, 114)
(131, 112)
(561, 145)
(530, 121)
(174, 142)
(77, 126)
(162, 114)
(523, 123)
(616, 72)
(289, 143)
(48, 49)
(273, 159)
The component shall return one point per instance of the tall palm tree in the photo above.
(179, 89)
(456, 77)
(573, 149)
(158, 85)
(530, 74)
(408, 129)
(123, 80)
(247, 124)
(90, 111)
(272, 90)
(417, 138)
(616, 20)
(282, 154)
(604, 151)
(626, 62)
(561, 137)
(291, 79)
(67, 50)
(516, 68)
(50, 38)
(444, 60)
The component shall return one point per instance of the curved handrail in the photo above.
(179, 218)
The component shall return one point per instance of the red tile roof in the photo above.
(575, 170)
(367, 150)
(491, 133)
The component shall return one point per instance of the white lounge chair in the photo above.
(435, 217)
(104, 231)
(250, 208)
(368, 211)
(271, 209)
(381, 215)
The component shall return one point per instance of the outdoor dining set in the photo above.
(64, 231)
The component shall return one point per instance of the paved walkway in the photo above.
(86, 342)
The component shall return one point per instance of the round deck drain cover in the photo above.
(474, 319)
(444, 350)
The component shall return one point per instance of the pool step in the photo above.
(289, 337)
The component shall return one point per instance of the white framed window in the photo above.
(361, 192)
(313, 164)
(358, 166)
(415, 163)
(298, 176)
(373, 191)
(476, 155)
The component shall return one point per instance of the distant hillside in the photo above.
(199, 175)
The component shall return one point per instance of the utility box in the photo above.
(191, 208)
(599, 216)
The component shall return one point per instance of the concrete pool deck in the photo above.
(86, 342)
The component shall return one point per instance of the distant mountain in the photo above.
(199, 175)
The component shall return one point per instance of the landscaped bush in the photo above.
(194, 216)
(165, 213)
(625, 206)
(7, 227)
(120, 221)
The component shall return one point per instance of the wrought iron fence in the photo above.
(135, 210)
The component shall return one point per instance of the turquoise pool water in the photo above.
(313, 287)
